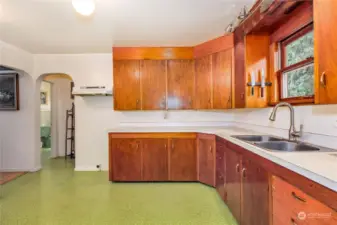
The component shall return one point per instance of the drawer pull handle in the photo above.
(323, 79)
(297, 197)
(237, 168)
(293, 222)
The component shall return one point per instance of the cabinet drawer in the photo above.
(289, 201)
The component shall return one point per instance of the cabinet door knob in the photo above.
(322, 79)
(244, 172)
(238, 168)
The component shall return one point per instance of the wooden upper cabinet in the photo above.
(183, 159)
(239, 68)
(222, 73)
(125, 159)
(180, 83)
(203, 83)
(325, 46)
(126, 83)
(155, 159)
(153, 83)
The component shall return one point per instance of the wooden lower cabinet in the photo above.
(255, 194)
(253, 187)
(183, 159)
(154, 159)
(247, 189)
(233, 183)
(206, 159)
(125, 164)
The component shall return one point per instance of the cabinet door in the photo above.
(126, 159)
(203, 83)
(233, 183)
(153, 80)
(206, 150)
(239, 59)
(221, 168)
(255, 194)
(183, 159)
(155, 159)
(222, 73)
(180, 75)
(126, 85)
(325, 51)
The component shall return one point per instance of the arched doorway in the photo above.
(55, 99)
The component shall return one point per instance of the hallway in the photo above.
(59, 196)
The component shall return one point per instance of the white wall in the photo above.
(63, 103)
(15, 133)
(17, 139)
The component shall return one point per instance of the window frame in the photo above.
(283, 43)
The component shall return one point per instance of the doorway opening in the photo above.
(55, 102)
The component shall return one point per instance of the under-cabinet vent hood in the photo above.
(92, 91)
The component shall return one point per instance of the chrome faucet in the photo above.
(293, 134)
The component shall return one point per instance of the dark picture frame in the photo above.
(9, 92)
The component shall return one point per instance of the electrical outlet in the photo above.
(335, 123)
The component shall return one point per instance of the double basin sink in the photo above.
(271, 143)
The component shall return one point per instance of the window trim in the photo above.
(283, 43)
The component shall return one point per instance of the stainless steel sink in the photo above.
(286, 146)
(271, 143)
(257, 138)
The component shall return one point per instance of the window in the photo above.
(297, 65)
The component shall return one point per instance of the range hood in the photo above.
(92, 91)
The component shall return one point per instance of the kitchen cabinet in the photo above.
(233, 183)
(255, 194)
(285, 194)
(153, 80)
(325, 55)
(126, 79)
(183, 159)
(125, 164)
(203, 83)
(222, 82)
(180, 83)
(239, 68)
(221, 168)
(247, 189)
(155, 159)
(206, 162)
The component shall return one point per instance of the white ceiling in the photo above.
(52, 26)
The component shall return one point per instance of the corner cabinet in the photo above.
(325, 46)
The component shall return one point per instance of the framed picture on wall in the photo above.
(44, 98)
(9, 91)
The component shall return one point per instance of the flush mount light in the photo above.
(84, 7)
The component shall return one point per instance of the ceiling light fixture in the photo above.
(84, 7)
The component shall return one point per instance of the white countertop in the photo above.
(320, 167)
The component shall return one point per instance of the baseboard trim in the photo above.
(88, 169)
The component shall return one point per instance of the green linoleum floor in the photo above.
(59, 196)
